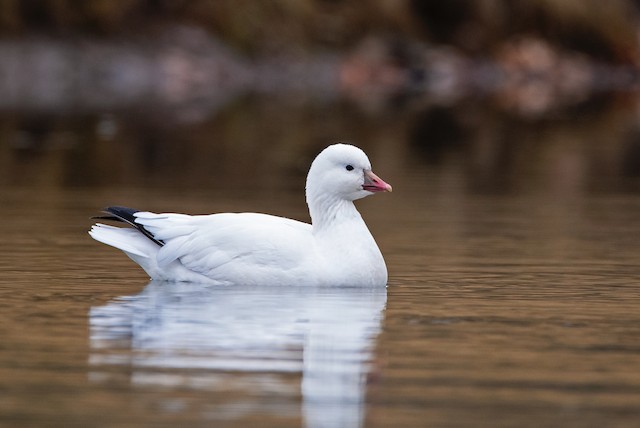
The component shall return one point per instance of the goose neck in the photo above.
(328, 211)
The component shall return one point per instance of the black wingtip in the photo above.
(116, 213)
(126, 215)
(123, 213)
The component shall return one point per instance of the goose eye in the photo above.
(349, 167)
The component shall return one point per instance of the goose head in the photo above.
(342, 172)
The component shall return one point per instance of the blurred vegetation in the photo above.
(605, 30)
(493, 87)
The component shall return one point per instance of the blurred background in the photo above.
(508, 96)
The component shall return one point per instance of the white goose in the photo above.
(259, 249)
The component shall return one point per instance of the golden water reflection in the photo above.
(512, 248)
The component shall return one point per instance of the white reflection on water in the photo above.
(196, 335)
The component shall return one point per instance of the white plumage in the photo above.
(260, 249)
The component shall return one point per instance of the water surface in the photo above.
(512, 249)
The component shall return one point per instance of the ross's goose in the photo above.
(259, 249)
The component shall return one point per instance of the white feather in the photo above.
(260, 249)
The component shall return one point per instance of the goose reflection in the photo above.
(179, 334)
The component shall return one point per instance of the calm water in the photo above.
(512, 247)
